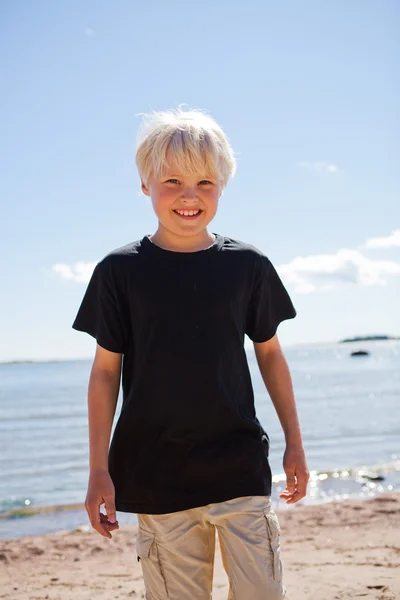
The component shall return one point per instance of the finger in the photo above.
(101, 528)
(110, 509)
(105, 519)
(106, 523)
(291, 483)
(294, 498)
(288, 496)
(300, 489)
(302, 482)
(94, 518)
(287, 492)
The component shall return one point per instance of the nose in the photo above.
(189, 195)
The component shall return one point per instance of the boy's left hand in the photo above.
(297, 474)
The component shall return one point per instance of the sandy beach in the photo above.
(341, 550)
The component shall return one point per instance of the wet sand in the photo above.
(341, 550)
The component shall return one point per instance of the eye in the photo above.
(172, 181)
(205, 181)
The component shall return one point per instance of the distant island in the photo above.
(17, 362)
(41, 361)
(369, 338)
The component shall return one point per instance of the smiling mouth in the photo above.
(188, 214)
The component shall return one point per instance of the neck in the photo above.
(179, 243)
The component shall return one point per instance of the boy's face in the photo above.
(174, 193)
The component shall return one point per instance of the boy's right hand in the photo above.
(101, 491)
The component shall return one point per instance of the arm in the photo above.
(276, 376)
(102, 400)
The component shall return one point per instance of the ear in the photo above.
(145, 189)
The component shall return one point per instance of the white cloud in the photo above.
(307, 274)
(322, 272)
(89, 32)
(325, 167)
(385, 242)
(80, 272)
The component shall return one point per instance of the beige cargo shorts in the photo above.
(176, 551)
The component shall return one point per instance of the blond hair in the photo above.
(193, 141)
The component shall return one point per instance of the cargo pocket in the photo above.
(274, 532)
(147, 553)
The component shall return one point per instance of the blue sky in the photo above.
(308, 95)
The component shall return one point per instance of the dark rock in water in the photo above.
(373, 477)
(360, 353)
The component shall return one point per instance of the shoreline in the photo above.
(326, 486)
(343, 550)
(45, 521)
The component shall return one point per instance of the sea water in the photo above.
(348, 409)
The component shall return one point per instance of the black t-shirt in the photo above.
(187, 434)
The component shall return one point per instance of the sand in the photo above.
(340, 550)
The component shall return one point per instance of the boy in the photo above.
(188, 454)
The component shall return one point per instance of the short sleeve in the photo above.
(269, 305)
(100, 313)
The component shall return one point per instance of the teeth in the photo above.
(188, 213)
